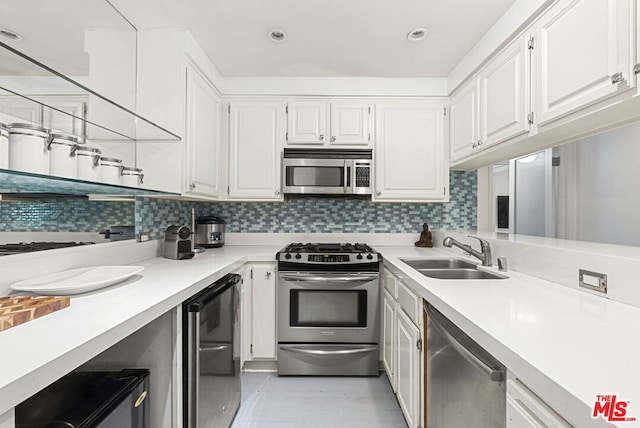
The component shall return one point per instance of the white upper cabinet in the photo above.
(349, 123)
(581, 55)
(255, 149)
(202, 136)
(504, 95)
(464, 129)
(410, 153)
(307, 122)
(494, 106)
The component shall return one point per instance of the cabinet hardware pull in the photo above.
(617, 78)
(321, 137)
(530, 118)
(140, 399)
(277, 192)
(378, 193)
(333, 138)
(636, 69)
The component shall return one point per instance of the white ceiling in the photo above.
(358, 38)
(54, 33)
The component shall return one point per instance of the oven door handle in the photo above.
(321, 278)
(327, 352)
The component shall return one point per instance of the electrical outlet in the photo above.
(144, 236)
(592, 280)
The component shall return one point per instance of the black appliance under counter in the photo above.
(90, 400)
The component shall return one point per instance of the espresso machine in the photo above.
(177, 243)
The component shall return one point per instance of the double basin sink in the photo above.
(450, 269)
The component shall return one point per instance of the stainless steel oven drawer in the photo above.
(328, 360)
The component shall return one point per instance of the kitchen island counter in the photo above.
(39, 352)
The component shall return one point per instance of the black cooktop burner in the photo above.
(327, 248)
(28, 247)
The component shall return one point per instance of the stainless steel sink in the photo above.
(459, 274)
(450, 269)
(439, 264)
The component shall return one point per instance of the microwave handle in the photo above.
(346, 176)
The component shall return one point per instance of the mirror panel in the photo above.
(73, 61)
(585, 190)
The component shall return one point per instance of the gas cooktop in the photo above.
(322, 253)
(29, 247)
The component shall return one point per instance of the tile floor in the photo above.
(269, 401)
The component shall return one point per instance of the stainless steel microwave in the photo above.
(327, 171)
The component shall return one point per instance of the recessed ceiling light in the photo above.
(277, 35)
(10, 34)
(417, 34)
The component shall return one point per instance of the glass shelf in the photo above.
(22, 184)
(40, 93)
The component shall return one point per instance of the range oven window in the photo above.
(328, 308)
(323, 176)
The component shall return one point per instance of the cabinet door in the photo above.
(408, 368)
(526, 410)
(202, 136)
(306, 122)
(579, 46)
(504, 95)
(463, 127)
(388, 337)
(15, 109)
(263, 312)
(410, 155)
(350, 123)
(255, 150)
(68, 114)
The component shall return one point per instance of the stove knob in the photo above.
(287, 256)
(369, 256)
(298, 256)
(359, 257)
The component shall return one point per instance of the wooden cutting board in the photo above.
(15, 310)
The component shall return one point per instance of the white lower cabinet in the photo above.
(388, 336)
(527, 410)
(408, 368)
(259, 312)
(402, 349)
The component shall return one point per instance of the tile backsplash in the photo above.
(64, 215)
(307, 214)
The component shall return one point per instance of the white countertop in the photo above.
(37, 353)
(566, 345)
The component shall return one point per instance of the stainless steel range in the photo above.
(328, 311)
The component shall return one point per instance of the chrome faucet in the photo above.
(484, 255)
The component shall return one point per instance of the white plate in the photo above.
(76, 281)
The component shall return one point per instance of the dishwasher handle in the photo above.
(496, 375)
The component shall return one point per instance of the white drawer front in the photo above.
(410, 303)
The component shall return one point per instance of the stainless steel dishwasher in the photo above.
(211, 372)
(465, 384)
